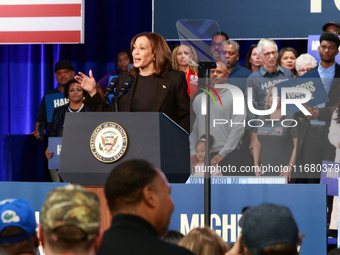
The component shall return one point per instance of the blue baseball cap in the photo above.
(17, 213)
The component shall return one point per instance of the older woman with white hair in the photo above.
(304, 63)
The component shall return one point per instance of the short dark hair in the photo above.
(223, 34)
(328, 36)
(67, 87)
(124, 185)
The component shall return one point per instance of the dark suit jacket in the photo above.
(57, 125)
(325, 114)
(171, 97)
(130, 235)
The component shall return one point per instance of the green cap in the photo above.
(72, 205)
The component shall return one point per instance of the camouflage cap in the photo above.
(71, 205)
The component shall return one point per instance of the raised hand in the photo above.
(87, 83)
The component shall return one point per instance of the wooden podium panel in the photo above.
(104, 209)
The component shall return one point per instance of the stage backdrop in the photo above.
(248, 19)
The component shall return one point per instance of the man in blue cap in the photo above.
(18, 227)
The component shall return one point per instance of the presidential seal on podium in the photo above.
(108, 142)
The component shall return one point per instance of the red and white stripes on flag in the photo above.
(41, 21)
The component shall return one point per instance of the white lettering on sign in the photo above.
(316, 5)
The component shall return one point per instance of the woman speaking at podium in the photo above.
(151, 86)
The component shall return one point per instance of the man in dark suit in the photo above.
(138, 196)
(313, 144)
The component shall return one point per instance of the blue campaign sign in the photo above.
(312, 48)
(309, 81)
(53, 101)
(248, 19)
(306, 202)
(330, 175)
(54, 145)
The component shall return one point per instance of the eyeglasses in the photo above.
(216, 44)
(267, 55)
(337, 32)
(303, 71)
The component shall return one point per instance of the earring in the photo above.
(154, 59)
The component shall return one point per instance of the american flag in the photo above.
(41, 21)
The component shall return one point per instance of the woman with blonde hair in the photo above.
(204, 241)
(184, 58)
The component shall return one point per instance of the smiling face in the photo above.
(184, 55)
(143, 56)
(288, 60)
(75, 93)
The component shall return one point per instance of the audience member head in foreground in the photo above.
(268, 229)
(138, 196)
(17, 227)
(137, 187)
(204, 241)
(70, 221)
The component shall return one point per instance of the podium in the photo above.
(151, 136)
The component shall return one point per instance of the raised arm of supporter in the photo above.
(256, 155)
(288, 169)
(87, 83)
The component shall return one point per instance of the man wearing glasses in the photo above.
(216, 43)
(269, 74)
(333, 27)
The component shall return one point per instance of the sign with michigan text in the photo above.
(248, 19)
(53, 101)
(330, 175)
(306, 202)
(310, 82)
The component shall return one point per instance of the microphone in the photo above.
(125, 88)
(112, 85)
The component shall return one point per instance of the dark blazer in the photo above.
(325, 114)
(57, 125)
(171, 97)
(130, 235)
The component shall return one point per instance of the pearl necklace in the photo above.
(69, 109)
